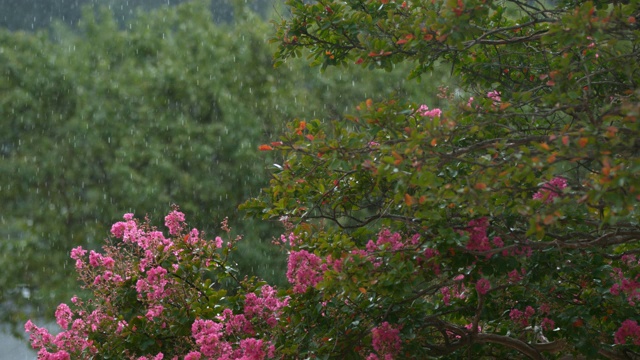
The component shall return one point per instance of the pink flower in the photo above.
(494, 95)
(77, 254)
(470, 101)
(393, 239)
(154, 312)
(386, 339)
(522, 318)
(303, 270)
(121, 325)
(483, 286)
(218, 242)
(252, 349)
(626, 286)
(446, 295)
(118, 229)
(551, 190)
(175, 222)
(548, 324)
(514, 276)
(95, 259)
(154, 284)
(194, 355)
(63, 316)
(209, 335)
(39, 337)
(497, 242)
(424, 111)
(193, 237)
(478, 240)
(371, 246)
(629, 330)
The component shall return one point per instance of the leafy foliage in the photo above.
(524, 196)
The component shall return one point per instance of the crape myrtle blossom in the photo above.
(423, 110)
(303, 270)
(551, 190)
(483, 286)
(629, 332)
(164, 276)
(385, 340)
(495, 96)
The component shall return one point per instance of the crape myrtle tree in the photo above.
(500, 223)
(503, 222)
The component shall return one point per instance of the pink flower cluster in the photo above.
(551, 190)
(154, 286)
(522, 318)
(388, 241)
(423, 110)
(210, 338)
(142, 264)
(478, 240)
(266, 307)
(457, 291)
(483, 286)
(385, 340)
(175, 222)
(303, 270)
(495, 96)
(629, 287)
(629, 330)
(60, 347)
(130, 232)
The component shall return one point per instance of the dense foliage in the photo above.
(501, 223)
(106, 118)
(523, 194)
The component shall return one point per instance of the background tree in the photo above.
(168, 107)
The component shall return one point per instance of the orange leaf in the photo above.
(265, 147)
(408, 199)
(583, 142)
(398, 158)
(480, 186)
(362, 290)
(549, 219)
